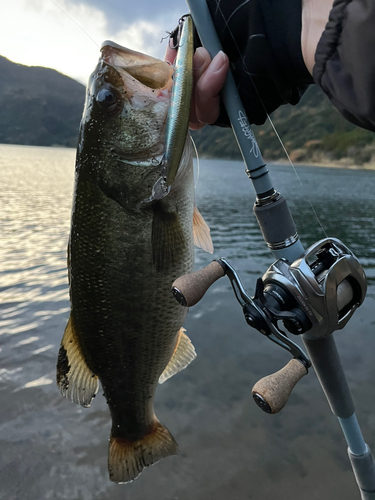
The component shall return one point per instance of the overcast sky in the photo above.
(39, 33)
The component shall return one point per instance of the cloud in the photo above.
(66, 35)
(120, 14)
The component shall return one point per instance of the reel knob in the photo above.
(190, 288)
(271, 393)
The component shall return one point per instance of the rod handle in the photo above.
(271, 393)
(190, 288)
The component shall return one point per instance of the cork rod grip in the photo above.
(272, 393)
(190, 288)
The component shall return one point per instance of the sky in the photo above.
(66, 34)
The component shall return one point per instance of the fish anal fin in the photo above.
(74, 378)
(183, 354)
(127, 459)
(168, 241)
(201, 232)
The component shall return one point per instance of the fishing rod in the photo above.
(312, 293)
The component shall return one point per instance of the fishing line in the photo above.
(295, 171)
(80, 27)
(196, 154)
(218, 9)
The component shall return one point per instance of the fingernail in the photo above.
(198, 60)
(218, 62)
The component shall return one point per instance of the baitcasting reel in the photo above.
(314, 296)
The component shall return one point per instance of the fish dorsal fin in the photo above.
(74, 378)
(201, 232)
(183, 354)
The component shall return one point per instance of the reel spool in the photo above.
(314, 296)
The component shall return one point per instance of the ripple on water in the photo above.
(38, 382)
(35, 202)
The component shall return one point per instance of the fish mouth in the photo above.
(151, 72)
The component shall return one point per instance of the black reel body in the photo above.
(320, 291)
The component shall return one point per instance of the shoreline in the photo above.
(343, 164)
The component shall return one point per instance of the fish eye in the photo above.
(106, 99)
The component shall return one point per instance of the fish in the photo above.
(125, 329)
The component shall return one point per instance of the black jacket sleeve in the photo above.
(345, 61)
(262, 39)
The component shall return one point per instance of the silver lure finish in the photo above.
(178, 116)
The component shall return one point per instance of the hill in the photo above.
(312, 131)
(40, 106)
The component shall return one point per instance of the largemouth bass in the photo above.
(125, 327)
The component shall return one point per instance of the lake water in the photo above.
(229, 449)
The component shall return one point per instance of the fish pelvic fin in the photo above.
(201, 233)
(127, 459)
(74, 378)
(183, 354)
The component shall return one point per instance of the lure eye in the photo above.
(106, 99)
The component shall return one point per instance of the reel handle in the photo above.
(271, 393)
(190, 288)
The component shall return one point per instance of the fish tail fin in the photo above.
(127, 459)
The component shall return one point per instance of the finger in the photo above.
(201, 62)
(170, 54)
(208, 87)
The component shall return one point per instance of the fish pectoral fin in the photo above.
(74, 378)
(201, 232)
(167, 238)
(183, 354)
(126, 459)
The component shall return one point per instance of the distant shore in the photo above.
(346, 163)
(343, 163)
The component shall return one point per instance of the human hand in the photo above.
(209, 78)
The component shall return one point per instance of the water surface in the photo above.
(52, 449)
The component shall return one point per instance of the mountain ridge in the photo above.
(39, 106)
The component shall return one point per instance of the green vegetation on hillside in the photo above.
(312, 131)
